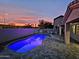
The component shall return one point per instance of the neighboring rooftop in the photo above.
(58, 17)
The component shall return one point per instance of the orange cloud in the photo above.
(27, 18)
(23, 24)
(16, 24)
(1, 16)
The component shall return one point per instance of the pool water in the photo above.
(26, 45)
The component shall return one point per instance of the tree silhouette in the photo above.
(45, 24)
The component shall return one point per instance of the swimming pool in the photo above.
(26, 45)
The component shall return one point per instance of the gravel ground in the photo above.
(52, 48)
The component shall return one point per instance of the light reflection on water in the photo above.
(27, 44)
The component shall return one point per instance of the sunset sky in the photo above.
(30, 11)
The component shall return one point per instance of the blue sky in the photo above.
(46, 8)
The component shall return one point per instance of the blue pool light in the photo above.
(27, 44)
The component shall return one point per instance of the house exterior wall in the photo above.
(59, 21)
(71, 18)
(58, 25)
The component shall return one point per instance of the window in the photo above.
(74, 29)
